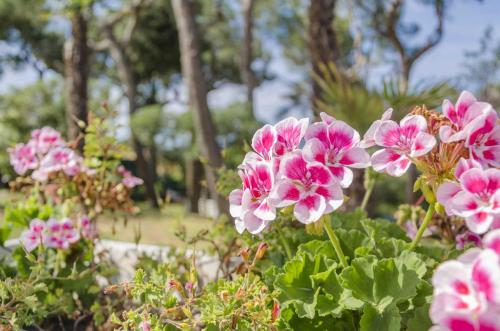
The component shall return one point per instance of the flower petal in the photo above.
(492, 240)
(263, 141)
(388, 134)
(284, 194)
(423, 143)
(235, 202)
(341, 135)
(310, 208)
(356, 158)
(445, 194)
(486, 275)
(265, 211)
(314, 150)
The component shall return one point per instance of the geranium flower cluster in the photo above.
(473, 191)
(467, 290)
(53, 233)
(45, 153)
(296, 164)
(129, 180)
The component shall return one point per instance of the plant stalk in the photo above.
(368, 194)
(335, 242)
(423, 226)
(284, 241)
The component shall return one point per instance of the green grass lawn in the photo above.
(150, 226)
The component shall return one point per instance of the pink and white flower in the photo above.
(88, 228)
(479, 199)
(467, 292)
(483, 139)
(23, 158)
(402, 142)
(369, 137)
(309, 186)
(466, 109)
(336, 146)
(45, 139)
(61, 234)
(129, 180)
(289, 134)
(34, 236)
(58, 159)
(492, 241)
(250, 205)
(263, 141)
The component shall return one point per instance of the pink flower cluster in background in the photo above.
(45, 153)
(279, 173)
(55, 233)
(129, 180)
(467, 290)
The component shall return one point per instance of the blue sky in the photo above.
(465, 24)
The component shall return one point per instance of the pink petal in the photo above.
(356, 158)
(465, 100)
(447, 134)
(492, 240)
(399, 167)
(310, 208)
(486, 275)
(381, 159)
(449, 111)
(388, 134)
(235, 198)
(290, 131)
(293, 166)
(465, 204)
(413, 124)
(369, 136)
(387, 114)
(445, 194)
(265, 211)
(479, 222)
(319, 174)
(253, 224)
(327, 119)
(319, 131)
(263, 141)
(334, 197)
(465, 164)
(481, 126)
(341, 135)
(423, 143)
(284, 194)
(314, 150)
(343, 174)
(474, 181)
(459, 323)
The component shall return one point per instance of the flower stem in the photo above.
(335, 242)
(368, 194)
(423, 226)
(283, 240)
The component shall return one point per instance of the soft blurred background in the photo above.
(192, 80)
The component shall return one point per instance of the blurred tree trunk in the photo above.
(247, 73)
(192, 72)
(76, 75)
(126, 76)
(322, 42)
(193, 177)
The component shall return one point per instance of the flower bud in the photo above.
(261, 250)
(245, 253)
(276, 311)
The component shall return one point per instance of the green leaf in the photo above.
(380, 283)
(295, 285)
(420, 319)
(330, 292)
(373, 320)
(352, 240)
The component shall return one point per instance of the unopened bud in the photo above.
(245, 253)
(261, 250)
(224, 296)
(276, 311)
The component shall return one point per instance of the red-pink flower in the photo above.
(467, 292)
(289, 133)
(336, 146)
(45, 139)
(250, 205)
(492, 241)
(61, 234)
(483, 139)
(23, 158)
(34, 236)
(309, 186)
(460, 115)
(369, 137)
(402, 142)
